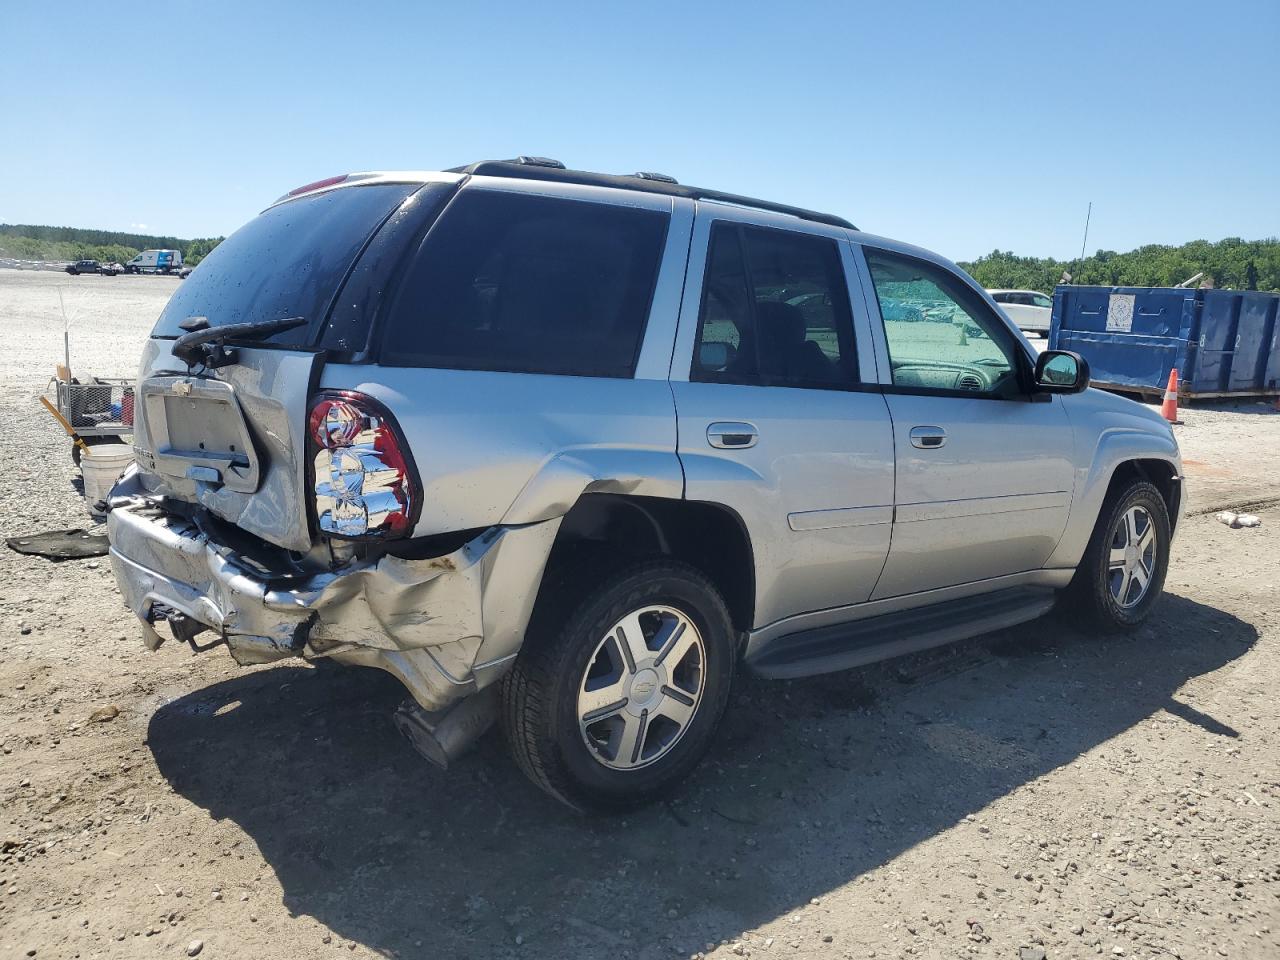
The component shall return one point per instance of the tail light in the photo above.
(326, 182)
(364, 482)
(317, 185)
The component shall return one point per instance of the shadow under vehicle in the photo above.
(813, 783)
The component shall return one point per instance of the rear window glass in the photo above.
(287, 262)
(529, 284)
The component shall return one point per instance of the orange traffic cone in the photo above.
(1169, 409)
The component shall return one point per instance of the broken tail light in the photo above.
(364, 483)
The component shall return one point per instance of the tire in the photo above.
(574, 657)
(1109, 597)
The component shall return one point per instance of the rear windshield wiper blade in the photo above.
(205, 344)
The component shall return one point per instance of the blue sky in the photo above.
(961, 126)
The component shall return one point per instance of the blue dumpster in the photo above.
(1255, 333)
(1221, 342)
(1131, 336)
(1271, 378)
(1219, 313)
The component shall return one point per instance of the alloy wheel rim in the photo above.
(1131, 562)
(642, 687)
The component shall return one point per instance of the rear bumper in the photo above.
(445, 626)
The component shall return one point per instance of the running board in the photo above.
(846, 645)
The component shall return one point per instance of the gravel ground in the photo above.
(1036, 792)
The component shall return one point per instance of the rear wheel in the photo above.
(1121, 575)
(610, 706)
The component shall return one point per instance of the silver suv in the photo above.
(567, 450)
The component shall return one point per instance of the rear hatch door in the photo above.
(233, 442)
(232, 437)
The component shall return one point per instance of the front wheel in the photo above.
(611, 706)
(1121, 575)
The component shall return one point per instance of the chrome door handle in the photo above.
(732, 435)
(928, 438)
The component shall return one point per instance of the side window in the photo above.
(1000, 297)
(1040, 300)
(775, 311)
(940, 334)
(528, 284)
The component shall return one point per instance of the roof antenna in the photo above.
(1087, 216)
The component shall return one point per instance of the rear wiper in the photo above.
(203, 344)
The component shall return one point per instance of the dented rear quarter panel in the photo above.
(512, 448)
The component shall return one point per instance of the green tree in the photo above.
(197, 250)
(1233, 262)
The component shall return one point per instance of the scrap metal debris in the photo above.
(60, 545)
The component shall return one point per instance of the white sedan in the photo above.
(1029, 309)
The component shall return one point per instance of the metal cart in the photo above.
(101, 409)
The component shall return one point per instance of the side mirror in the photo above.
(1061, 371)
(714, 355)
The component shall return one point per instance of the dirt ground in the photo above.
(1039, 789)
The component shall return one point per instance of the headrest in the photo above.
(779, 324)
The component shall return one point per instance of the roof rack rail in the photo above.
(650, 175)
(540, 162)
(540, 168)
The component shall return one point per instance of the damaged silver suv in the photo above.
(566, 450)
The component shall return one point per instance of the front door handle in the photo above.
(732, 435)
(928, 438)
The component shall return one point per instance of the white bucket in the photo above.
(102, 467)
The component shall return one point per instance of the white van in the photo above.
(155, 261)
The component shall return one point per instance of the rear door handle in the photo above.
(928, 438)
(732, 435)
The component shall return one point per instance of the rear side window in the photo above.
(287, 262)
(528, 284)
(775, 310)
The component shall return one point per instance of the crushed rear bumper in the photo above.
(445, 626)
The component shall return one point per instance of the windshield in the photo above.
(287, 262)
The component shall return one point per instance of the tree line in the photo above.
(1232, 263)
(32, 242)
